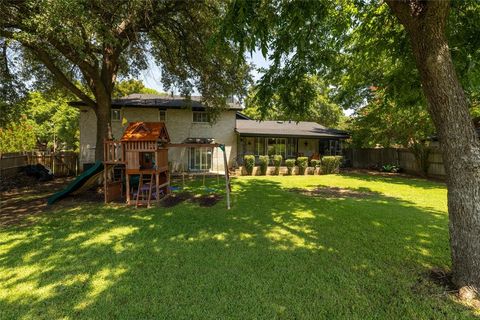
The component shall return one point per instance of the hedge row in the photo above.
(327, 165)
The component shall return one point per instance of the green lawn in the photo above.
(276, 255)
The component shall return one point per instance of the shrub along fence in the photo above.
(61, 163)
(372, 158)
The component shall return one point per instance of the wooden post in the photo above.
(157, 183)
(52, 162)
(227, 178)
(105, 181)
(127, 176)
(150, 189)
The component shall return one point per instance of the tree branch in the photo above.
(60, 76)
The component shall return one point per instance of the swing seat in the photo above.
(173, 188)
(210, 190)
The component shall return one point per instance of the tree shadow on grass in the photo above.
(416, 182)
(276, 254)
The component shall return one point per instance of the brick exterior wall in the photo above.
(179, 125)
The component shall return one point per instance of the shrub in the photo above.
(263, 164)
(315, 163)
(331, 164)
(391, 168)
(277, 161)
(302, 163)
(290, 163)
(249, 161)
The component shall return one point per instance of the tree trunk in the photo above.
(425, 24)
(104, 103)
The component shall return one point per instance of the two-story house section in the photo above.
(186, 121)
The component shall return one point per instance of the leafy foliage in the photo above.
(290, 163)
(249, 161)
(18, 136)
(315, 163)
(322, 109)
(130, 86)
(56, 123)
(263, 161)
(84, 46)
(302, 163)
(390, 168)
(361, 54)
(331, 164)
(277, 162)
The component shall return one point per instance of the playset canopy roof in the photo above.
(146, 131)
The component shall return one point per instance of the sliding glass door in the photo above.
(200, 159)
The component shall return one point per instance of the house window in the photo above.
(276, 146)
(291, 147)
(116, 115)
(200, 159)
(200, 117)
(162, 115)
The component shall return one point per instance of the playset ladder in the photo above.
(141, 191)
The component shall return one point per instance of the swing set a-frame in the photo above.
(139, 164)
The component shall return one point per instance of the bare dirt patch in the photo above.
(206, 200)
(17, 203)
(174, 199)
(332, 192)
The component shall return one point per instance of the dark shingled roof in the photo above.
(141, 100)
(287, 129)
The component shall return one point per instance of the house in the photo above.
(188, 122)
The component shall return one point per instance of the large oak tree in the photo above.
(314, 37)
(85, 45)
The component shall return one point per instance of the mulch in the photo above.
(206, 200)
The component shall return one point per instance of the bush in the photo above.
(277, 161)
(315, 163)
(390, 168)
(263, 164)
(302, 163)
(331, 164)
(249, 161)
(290, 163)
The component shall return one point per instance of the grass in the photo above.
(275, 255)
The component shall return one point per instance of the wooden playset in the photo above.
(138, 164)
(141, 153)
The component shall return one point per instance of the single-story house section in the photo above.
(188, 121)
(290, 139)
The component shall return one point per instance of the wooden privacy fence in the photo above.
(377, 157)
(60, 163)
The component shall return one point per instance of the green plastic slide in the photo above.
(78, 182)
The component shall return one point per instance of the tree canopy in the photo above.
(321, 109)
(85, 45)
(398, 48)
(126, 87)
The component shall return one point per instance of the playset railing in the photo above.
(113, 152)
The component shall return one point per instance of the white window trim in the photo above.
(202, 150)
(111, 115)
(200, 122)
